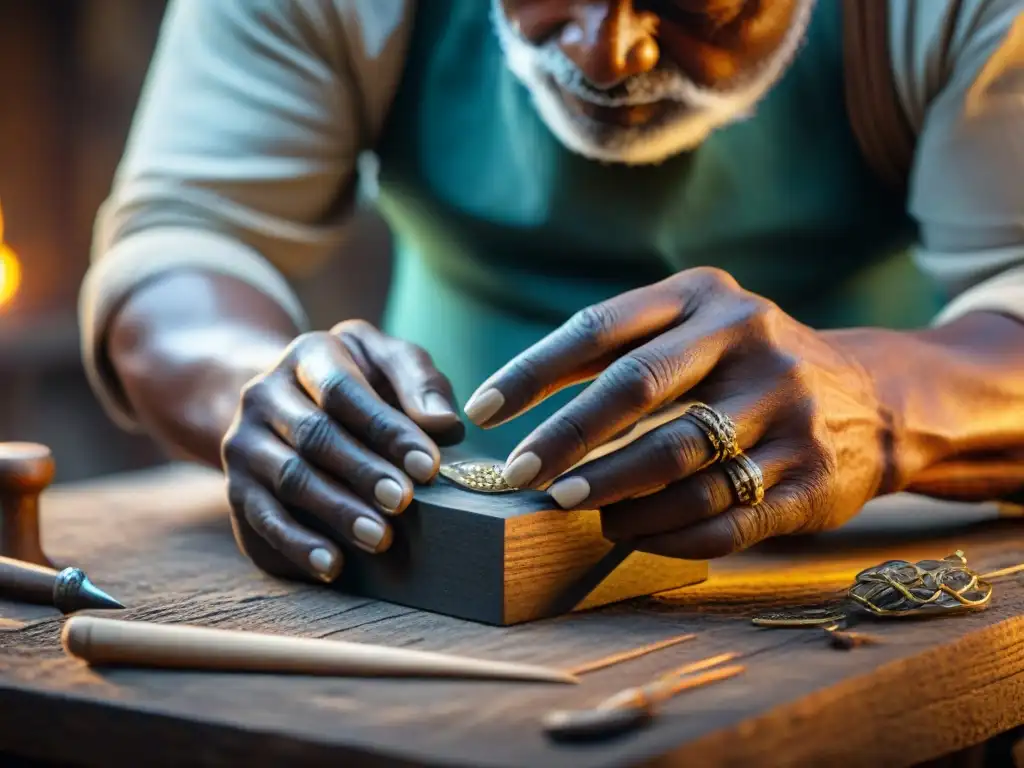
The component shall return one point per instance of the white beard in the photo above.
(701, 110)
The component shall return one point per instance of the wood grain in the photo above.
(505, 559)
(163, 543)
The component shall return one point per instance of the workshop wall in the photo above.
(70, 76)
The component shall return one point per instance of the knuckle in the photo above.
(355, 327)
(752, 525)
(680, 448)
(381, 428)
(263, 520)
(334, 389)
(714, 491)
(758, 317)
(312, 434)
(713, 278)
(233, 448)
(594, 324)
(291, 480)
(572, 434)
(255, 393)
(642, 380)
(527, 376)
(307, 342)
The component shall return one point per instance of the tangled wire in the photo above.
(901, 588)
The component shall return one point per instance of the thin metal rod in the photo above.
(619, 658)
(1003, 572)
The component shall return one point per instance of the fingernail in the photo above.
(369, 532)
(419, 465)
(389, 494)
(435, 404)
(322, 562)
(570, 492)
(522, 470)
(483, 405)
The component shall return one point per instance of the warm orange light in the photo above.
(10, 275)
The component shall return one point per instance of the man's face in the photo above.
(638, 81)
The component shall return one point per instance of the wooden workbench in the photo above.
(161, 542)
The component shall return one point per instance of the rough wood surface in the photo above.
(163, 545)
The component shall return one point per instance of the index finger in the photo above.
(575, 352)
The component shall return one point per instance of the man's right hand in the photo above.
(325, 447)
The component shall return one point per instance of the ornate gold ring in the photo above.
(747, 480)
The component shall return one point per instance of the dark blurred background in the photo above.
(70, 75)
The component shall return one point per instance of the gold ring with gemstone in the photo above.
(718, 428)
(747, 480)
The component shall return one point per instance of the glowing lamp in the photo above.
(10, 275)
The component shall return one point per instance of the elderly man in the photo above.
(652, 219)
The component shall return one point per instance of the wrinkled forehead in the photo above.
(713, 41)
(717, 13)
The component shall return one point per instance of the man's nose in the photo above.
(610, 41)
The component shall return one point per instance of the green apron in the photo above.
(502, 233)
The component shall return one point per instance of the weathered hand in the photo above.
(323, 447)
(805, 411)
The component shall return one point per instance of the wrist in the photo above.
(185, 388)
(946, 394)
(182, 365)
(915, 430)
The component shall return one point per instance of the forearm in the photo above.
(953, 399)
(183, 346)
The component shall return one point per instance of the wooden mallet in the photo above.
(100, 641)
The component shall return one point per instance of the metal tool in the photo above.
(635, 707)
(68, 590)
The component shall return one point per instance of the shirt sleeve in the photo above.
(242, 156)
(960, 70)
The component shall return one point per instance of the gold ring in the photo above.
(719, 429)
(747, 480)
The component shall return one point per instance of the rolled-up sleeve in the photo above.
(241, 160)
(966, 93)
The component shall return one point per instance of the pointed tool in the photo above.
(100, 641)
(68, 590)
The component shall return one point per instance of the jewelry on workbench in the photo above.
(718, 428)
(811, 616)
(899, 588)
(480, 476)
(747, 480)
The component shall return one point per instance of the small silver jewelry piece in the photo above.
(719, 429)
(747, 480)
(480, 476)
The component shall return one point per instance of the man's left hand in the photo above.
(804, 411)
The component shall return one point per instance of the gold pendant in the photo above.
(480, 476)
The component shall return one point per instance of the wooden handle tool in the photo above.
(26, 470)
(99, 641)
